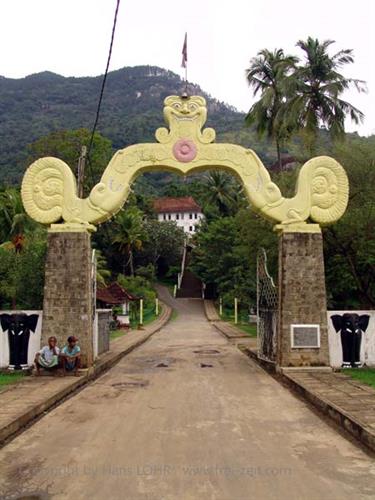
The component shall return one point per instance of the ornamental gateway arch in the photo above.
(49, 194)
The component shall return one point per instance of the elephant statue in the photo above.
(18, 327)
(351, 326)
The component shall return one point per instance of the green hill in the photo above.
(34, 106)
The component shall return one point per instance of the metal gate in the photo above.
(267, 310)
(95, 329)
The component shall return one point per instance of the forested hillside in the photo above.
(39, 104)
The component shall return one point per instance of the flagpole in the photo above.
(184, 62)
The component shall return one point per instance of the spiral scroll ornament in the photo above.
(43, 188)
(329, 188)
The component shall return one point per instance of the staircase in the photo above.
(190, 285)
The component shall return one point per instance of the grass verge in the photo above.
(365, 375)
(243, 324)
(10, 378)
(114, 334)
(251, 330)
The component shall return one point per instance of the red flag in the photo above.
(184, 53)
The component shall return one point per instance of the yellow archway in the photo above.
(49, 190)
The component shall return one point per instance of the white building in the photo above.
(184, 211)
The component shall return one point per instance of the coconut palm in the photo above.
(269, 75)
(128, 235)
(222, 192)
(14, 222)
(316, 97)
(103, 274)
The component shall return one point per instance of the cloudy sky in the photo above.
(71, 37)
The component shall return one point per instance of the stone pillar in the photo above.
(302, 297)
(68, 293)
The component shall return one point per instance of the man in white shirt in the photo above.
(48, 356)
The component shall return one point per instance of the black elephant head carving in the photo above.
(18, 327)
(351, 326)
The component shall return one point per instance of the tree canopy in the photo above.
(301, 96)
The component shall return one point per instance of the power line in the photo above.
(103, 83)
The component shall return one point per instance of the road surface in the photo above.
(186, 416)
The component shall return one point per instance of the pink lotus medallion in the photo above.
(184, 150)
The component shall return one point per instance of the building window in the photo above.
(190, 216)
(177, 216)
(169, 216)
(164, 217)
(190, 228)
(195, 216)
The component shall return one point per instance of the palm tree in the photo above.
(102, 271)
(16, 230)
(129, 235)
(316, 99)
(222, 192)
(14, 222)
(268, 75)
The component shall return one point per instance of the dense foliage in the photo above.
(350, 243)
(227, 247)
(22, 275)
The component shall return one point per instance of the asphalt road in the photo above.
(185, 416)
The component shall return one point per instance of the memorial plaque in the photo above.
(305, 336)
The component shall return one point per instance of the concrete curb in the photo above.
(252, 353)
(107, 361)
(210, 311)
(343, 419)
(10, 430)
(230, 332)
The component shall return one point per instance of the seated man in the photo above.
(48, 356)
(71, 356)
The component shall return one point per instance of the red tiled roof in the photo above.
(114, 294)
(184, 204)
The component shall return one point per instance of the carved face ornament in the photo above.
(186, 109)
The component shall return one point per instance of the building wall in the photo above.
(187, 220)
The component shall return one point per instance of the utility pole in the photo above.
(81, 171)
